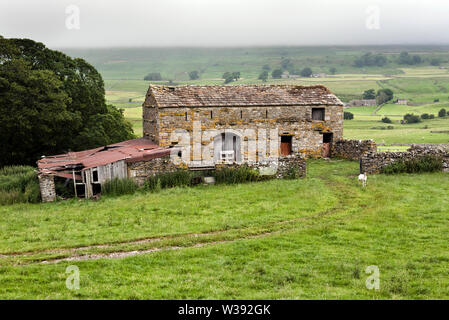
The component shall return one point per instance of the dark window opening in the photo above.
(286, 145)
(241, 114)
(80, 190)
(96, 188)
(327, 137)
(186, 116)
(180, 154)
(211, 115)
(266, 114)
(318, 114)
(95, 176)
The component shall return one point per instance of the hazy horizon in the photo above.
(86, 24)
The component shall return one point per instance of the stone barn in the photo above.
(293, 120)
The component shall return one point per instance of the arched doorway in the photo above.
(227, 147)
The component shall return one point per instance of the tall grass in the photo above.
(421, 164)
(117, 187)
(179, 178)
(236, 175)
(19, 184)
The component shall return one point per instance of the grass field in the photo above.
(307, 239)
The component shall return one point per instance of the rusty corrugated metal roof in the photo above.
(241, 95)
(129, 151)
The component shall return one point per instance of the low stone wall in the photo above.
(287, 166)
(47, 185)
(352, 149)
(296, 163)
(373, 162)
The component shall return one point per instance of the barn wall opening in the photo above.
(286, 145)
(318, 114)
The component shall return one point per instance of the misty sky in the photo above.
(116, 23)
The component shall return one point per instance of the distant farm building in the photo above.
(362, 103)
(402, 102)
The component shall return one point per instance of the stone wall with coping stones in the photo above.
(372, 163)
(140, 171)
(159, 123)
(281, 170)
(47, 186)
(352, 149)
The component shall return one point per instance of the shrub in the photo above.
(426, 163)
(348, 115)
(117, 187)
(19, 184)
(436, 100)
(442, 113)
(425, 116)
(411, 118)
(386, 120)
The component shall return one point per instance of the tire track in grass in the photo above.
(237, 234)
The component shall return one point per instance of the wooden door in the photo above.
(327, 144)
(326, 149)
(286, 145)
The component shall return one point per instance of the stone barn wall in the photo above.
(374, 162)
(352, 149)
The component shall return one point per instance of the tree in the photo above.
(348, 115)
(287, 64)
(425, 116)
(369, 94)
(277, 73)
(383, 96)
(370, 60)
(333, 70)
(154, 76)
(266, 67)
(405, 58)
(306, 72)
(47, 99)
(435, 62)
(229, 77)
(263, 76)
(442, 113)
(236, 75)
(193, 75)
(411, 118)
(386, 120)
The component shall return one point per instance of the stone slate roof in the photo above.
(242, 95)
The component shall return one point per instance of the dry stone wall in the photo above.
(353, 149)
(373, 162)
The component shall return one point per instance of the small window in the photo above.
(241, 114)
(186, 116)
(318, 114)
(266, 114)
(211, 115)
(95, 176)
